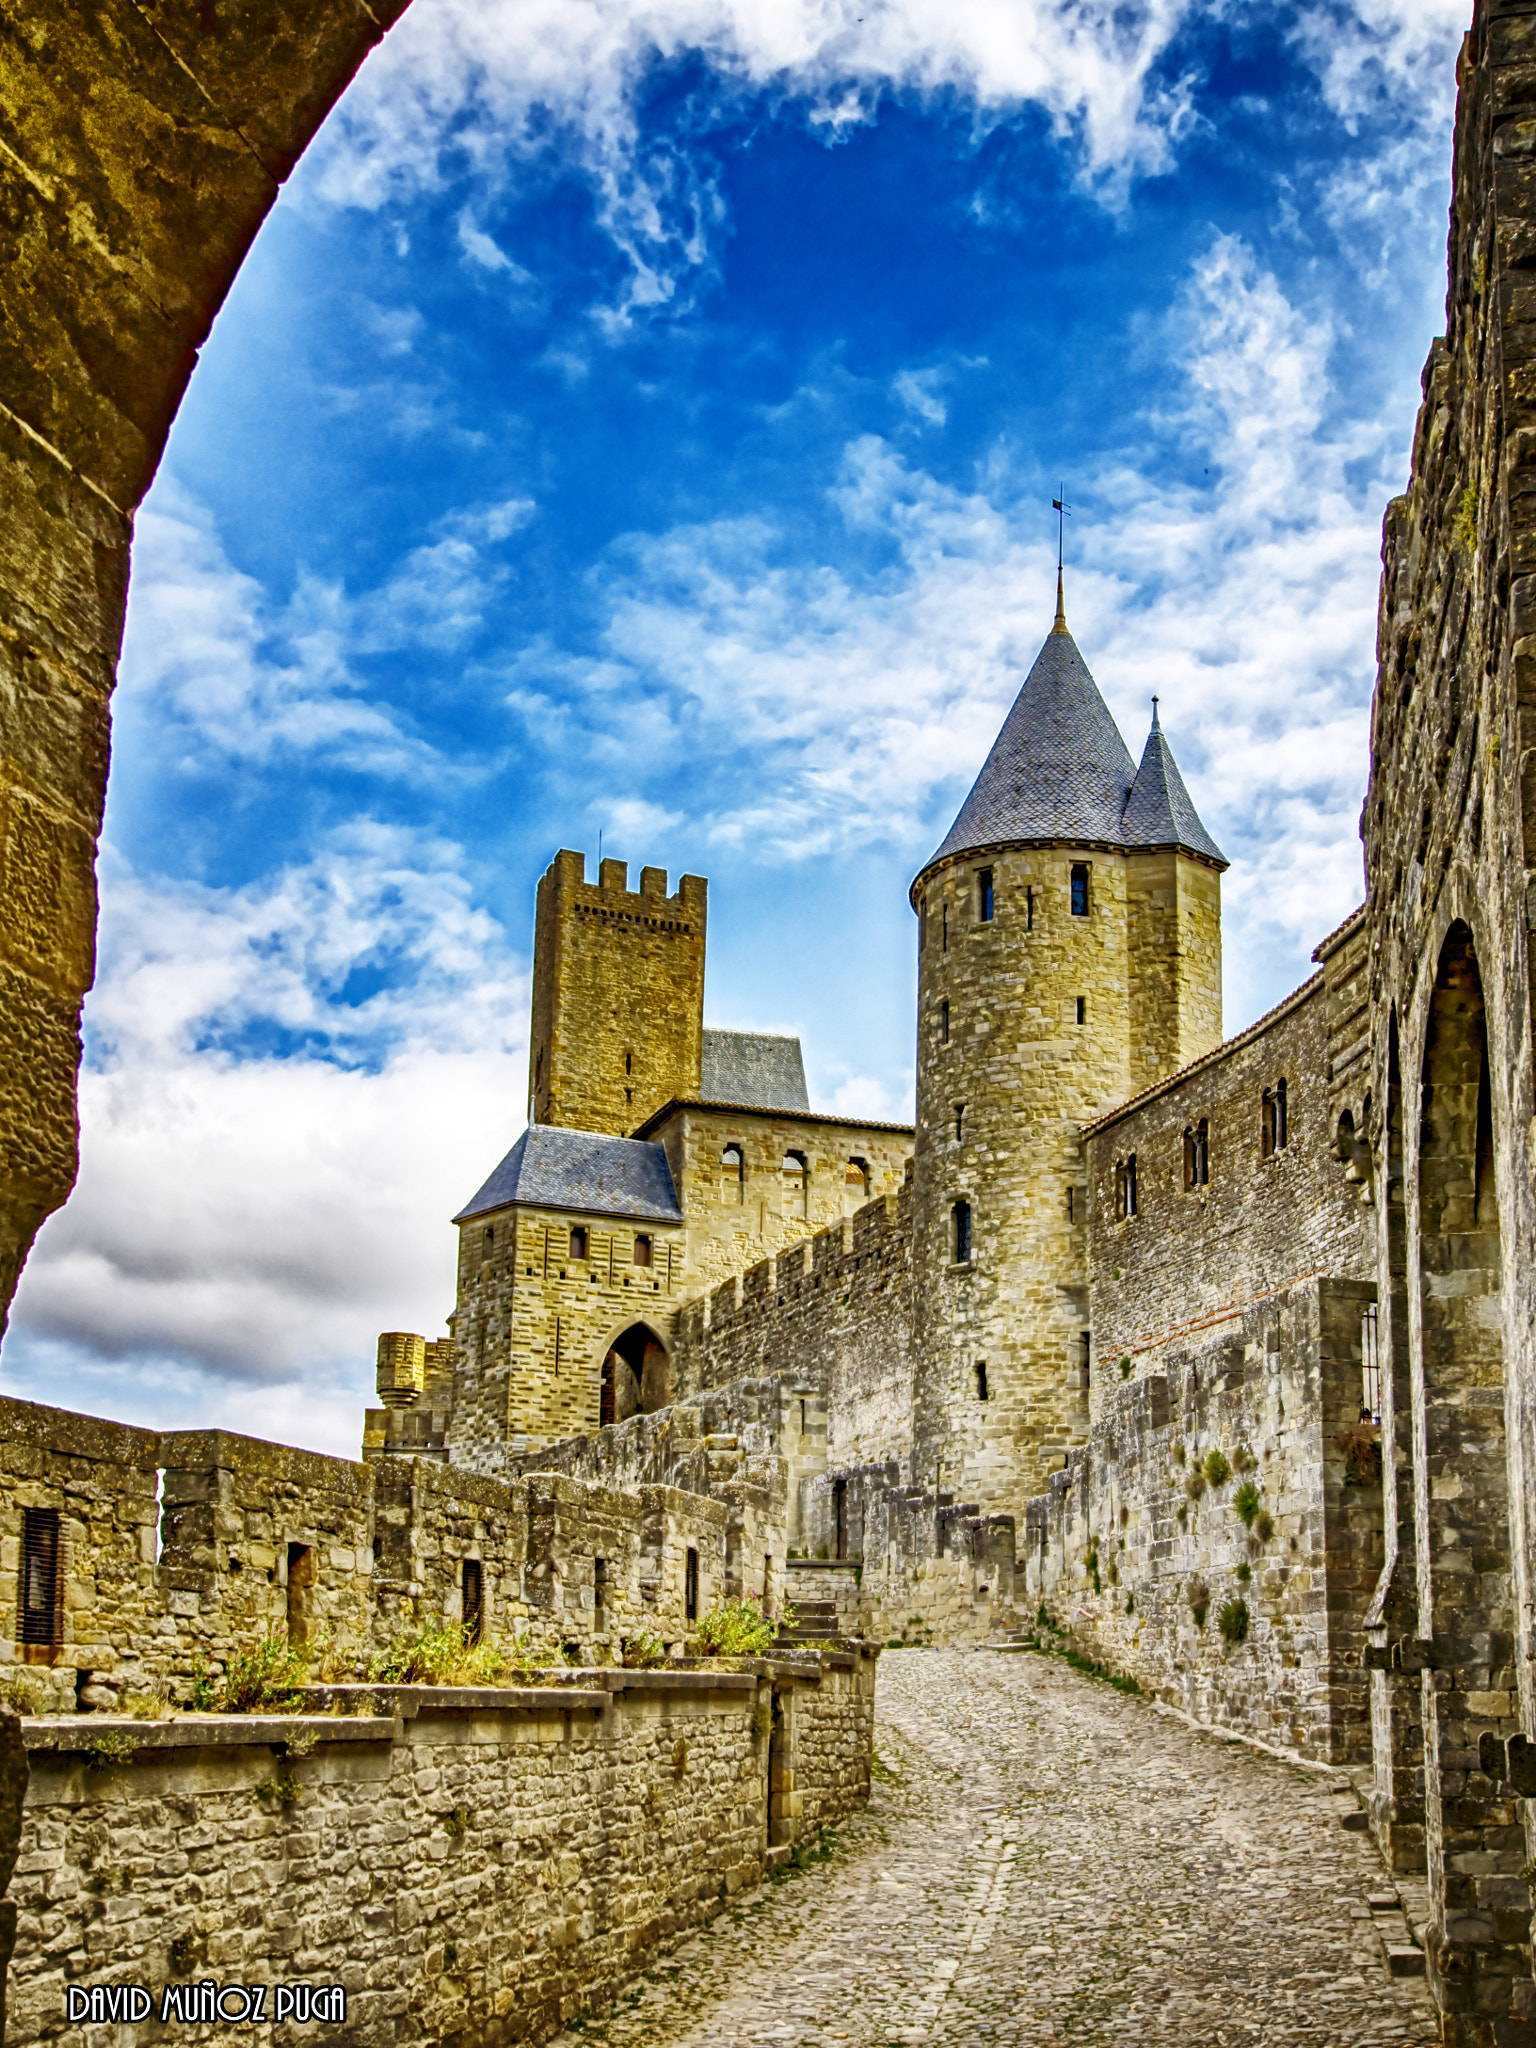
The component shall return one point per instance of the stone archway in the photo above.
(145, 145)
(1474, 1848)
(636, 1374)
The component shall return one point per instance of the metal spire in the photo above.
(1155, 726)
(1063, 512)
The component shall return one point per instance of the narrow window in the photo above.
(301, 1580)
(1281, 1133)
(1267, 1124)
(1130, 1185)
(959, 1120)
(767, 1578)
(41, 1589)
(981, 1379)
(984, 896)
(474, 1599)
(1071, 1205)
(1082, 1009)
(733, 1174)
(1029, 910)
(961, 1214)
(840, 1518)
(944, 928)
(599, 1584)
(1189, 1156)
(1080, 889)
(1202, 1153)
(944, 1022)
(691, 1585)
(856, 1174)
(642, 1251)
(629, 1063)
(1085, 1356)
(578, 1241)
(797, 1184)
(490, 1235)
(922, 928)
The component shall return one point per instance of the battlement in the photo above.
(618, 995)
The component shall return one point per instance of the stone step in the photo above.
(1401, 1954)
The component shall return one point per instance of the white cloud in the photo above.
(237, 675)
(292, 1087)
(489, 82)
(918, 390)
(1247, 602)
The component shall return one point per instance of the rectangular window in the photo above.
(1029, 910)
(944, 1022)
(599, 1584)
(301, 1585)
(981, 1379)
(40, 1602)
(1281, 1134)
(984, 896)
(691, 1586)
(1080, 889)
(1370, 1367)
(578, 1241)
(1082, 1009)
(474, 1599)
(1130, 1185)
(944, 928)
(961, 1217)
(642, 1251)
(959, 1120)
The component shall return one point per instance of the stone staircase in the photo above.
(815, 1621)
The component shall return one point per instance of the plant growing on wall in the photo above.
(736, 1628)
(1246, 1503)
(1232, 1620)
(444, 1653)
(1362, 1455)
(1199, 1601)
(1194, 1485)
(1263, 1525)
(643, 1652)
(1243, 1459)
(1216, 1468)
(1125, 1366)
(264, 1680)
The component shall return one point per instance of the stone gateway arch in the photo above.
(141, 146)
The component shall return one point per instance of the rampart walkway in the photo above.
(1051, 1863)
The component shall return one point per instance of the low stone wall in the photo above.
(1131, 1540)
(467, 1867)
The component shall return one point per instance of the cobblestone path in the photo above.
(1051, 1862)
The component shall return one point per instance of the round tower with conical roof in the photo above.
(1069, 955)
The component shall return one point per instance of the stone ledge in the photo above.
(410, 1701)
(80, 1732)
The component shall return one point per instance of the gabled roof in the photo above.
(549, 1168)
(755, 1068)
(1059, 770)
(1158, 811)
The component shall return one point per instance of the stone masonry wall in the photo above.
(1259, 1224)
(256, 1536)
(837, 1312)
(477, 1871)
(1132, 1536)
(737, 1217)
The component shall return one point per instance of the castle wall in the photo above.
(1133, 1536)
(256, 1537)
(1259, 1224)
(738, 1217)
(618, 995)
(543, 1846)
(837, 1312)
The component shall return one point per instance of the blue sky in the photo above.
(644, 419)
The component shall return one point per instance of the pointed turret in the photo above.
(1058, 769)
(1159, 811)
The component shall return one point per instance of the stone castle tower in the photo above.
(1069, 955)
(618, 996)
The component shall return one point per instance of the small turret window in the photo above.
(984, 896)
(1082, 1009)
(981, 1380)
(642, 1251)
(1029, 910)
(1080, 889)
(1197, 1154)
(944, 928)
(1125, 1188)
(733, 1174)
(797, 1184)
(944, 1022)
(1272, 1121)
(960, 1217)
(578, 1241)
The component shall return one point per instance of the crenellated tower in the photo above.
(1069, 955)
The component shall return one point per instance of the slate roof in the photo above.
(1158, 811)
(754, 1069)
(1060, 770)
(558, 1169)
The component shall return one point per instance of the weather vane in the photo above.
(1063, 513)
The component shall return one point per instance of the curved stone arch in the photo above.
(633, 1344)
(145, 145)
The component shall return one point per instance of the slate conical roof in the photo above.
(1158, 811)
(1059, 770)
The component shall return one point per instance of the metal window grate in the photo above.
(1370, 1367)
(40, 1594)
(474, 1600)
